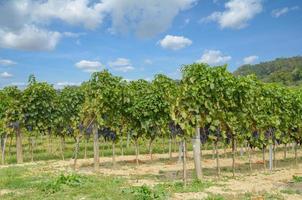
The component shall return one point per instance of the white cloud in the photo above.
(29, 38)
(144, 18)
(175, 42)
(73, 35)
(121, 64)
(148, 62)
(6, 75)
(89, 66)
(21, 22)
(237, 13)
(250, 60)
(282, 11)
(6, 62)
(74, 12)
(214, 57)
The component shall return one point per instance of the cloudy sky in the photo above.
(63, 42)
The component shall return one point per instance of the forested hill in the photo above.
(287, 71)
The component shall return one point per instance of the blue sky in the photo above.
(63, 42)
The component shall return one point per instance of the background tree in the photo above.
(13, 117)
(67, 120)
(166, 90)
(38, 103)
(102, 100)
(4, 103)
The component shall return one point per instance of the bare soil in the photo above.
(162, 169)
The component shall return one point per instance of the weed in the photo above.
(71, 180)
(215, 197)
(297, 179)
(146, 193)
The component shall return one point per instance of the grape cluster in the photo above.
(175, 129)
(70, 130)
(204, 135)
(228, 138)
(267, 134)
(26, 119)
(81, 127)
(88, 131)
(14, 125)
(29, 128)
(255, 135)
(107, 133)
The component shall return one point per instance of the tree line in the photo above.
(286, 71)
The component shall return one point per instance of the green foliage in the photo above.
(71, 180)
(215, 197)
(286, 71)
(68, 105)
(38, 106)
(104, 101)
(11, 111)
(35, 182)
(297, 179)
(194, 186)
(145, 193)
(226, 108)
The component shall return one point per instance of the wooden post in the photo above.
(96, 147)
(270, 157)
(233, 155)
(263, 157)
(196, 153)
(3, 146)
(296, 154)
(85, 149)
(250, 158)
(150, 149)
(180, 151)
(19, 146)
(113, 154)
(62, 147)
(217, 159)
(136, 152)
(76, 151)
(184, 163)
(170, 148)
(285, 151)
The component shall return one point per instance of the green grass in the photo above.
(33, 182)
(265, 195)
(163, 191)
(36, 182)
(290, 191)
(146, 193)
(25, 184)
(178, 187)
(297, 179)
(215, 197)
(274, 196)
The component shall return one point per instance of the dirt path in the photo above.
(258, 182)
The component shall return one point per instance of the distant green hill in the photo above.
(287, 71)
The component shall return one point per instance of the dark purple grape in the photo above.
(107, 134)
(175, 129)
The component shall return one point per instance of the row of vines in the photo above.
(208, 104)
